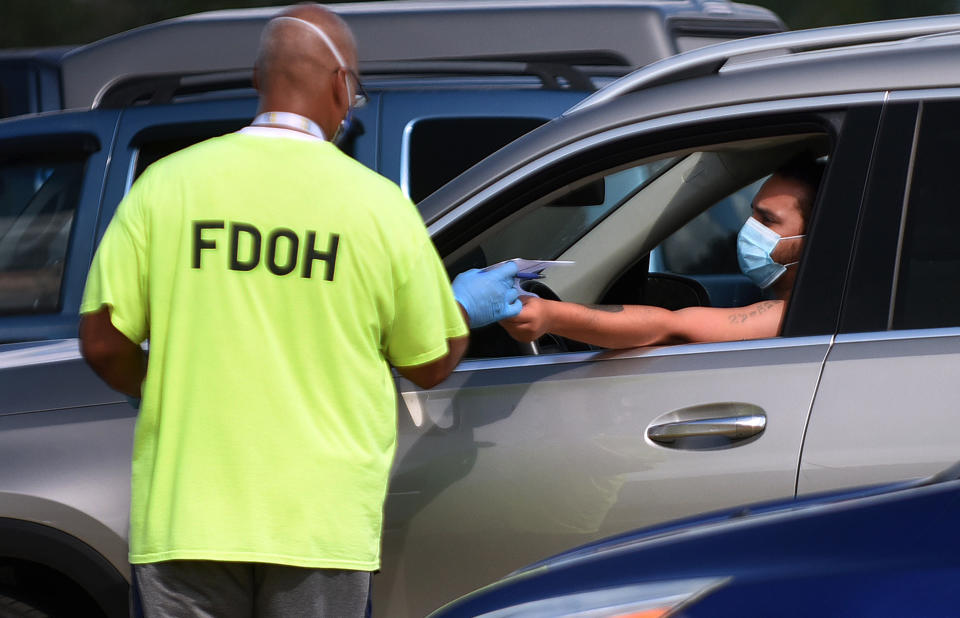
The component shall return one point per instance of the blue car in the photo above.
(890, 550)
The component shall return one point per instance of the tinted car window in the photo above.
(441, 148)
(14, 92)
(154, 146)
(38, 203)
(166, 140)
(708, 243)
(547, 231)
(928, 284)
(705, 249)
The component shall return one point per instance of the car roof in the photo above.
(706, 79)
(51, 55)
(625, 32)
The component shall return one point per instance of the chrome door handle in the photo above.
(731, 427)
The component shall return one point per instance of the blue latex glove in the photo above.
(488, 296)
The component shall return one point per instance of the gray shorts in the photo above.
(246, 589)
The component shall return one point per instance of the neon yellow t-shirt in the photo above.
(275, 280)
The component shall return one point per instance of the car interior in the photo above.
(659, 231)
(38, 202)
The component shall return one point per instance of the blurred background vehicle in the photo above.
(890, 550)
(26, 24)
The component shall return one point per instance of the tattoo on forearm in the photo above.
(607, 308)
(739, 318)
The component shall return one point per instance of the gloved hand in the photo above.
(488, 296)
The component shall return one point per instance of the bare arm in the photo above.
(430, 374)
(757, 321)
(619, 326)
(120, 362)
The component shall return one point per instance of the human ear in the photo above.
(341, 89)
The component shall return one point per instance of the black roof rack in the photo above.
(156, 89)
(164, 88)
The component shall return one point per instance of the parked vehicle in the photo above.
(463, 38)
(30, 80)
(519, 455)
(880, 551)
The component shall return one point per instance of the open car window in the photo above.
(678, 213)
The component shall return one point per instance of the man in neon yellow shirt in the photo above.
(277, 280)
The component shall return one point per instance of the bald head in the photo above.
(303, 63)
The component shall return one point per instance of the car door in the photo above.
(887, 406)
(517, 457)
(65, 437)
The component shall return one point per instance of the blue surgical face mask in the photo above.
(755, 243)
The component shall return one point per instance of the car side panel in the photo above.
(521, 458)
(68, 467)
(886, 409)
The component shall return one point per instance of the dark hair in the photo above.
(803, 168)
(806, 169)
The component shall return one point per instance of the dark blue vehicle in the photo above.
(889, 550)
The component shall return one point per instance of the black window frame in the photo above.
(432, 165)
(870, 305)
(926, 296)
(866, 306)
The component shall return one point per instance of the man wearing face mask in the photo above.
(768, 249)
(277, 281)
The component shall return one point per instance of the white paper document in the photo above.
(532, 267)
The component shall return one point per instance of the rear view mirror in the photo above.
(591, 194)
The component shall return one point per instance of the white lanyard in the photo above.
(289, 120)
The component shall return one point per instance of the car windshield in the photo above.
(547, 231)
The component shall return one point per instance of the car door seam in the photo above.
(118, 121)
(904, 207)
(813, 400)
(843, 294)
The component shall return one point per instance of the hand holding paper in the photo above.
(488, 295)
(529, 269)
(491, 294)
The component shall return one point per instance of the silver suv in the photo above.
(519, 454)
(529, 450)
